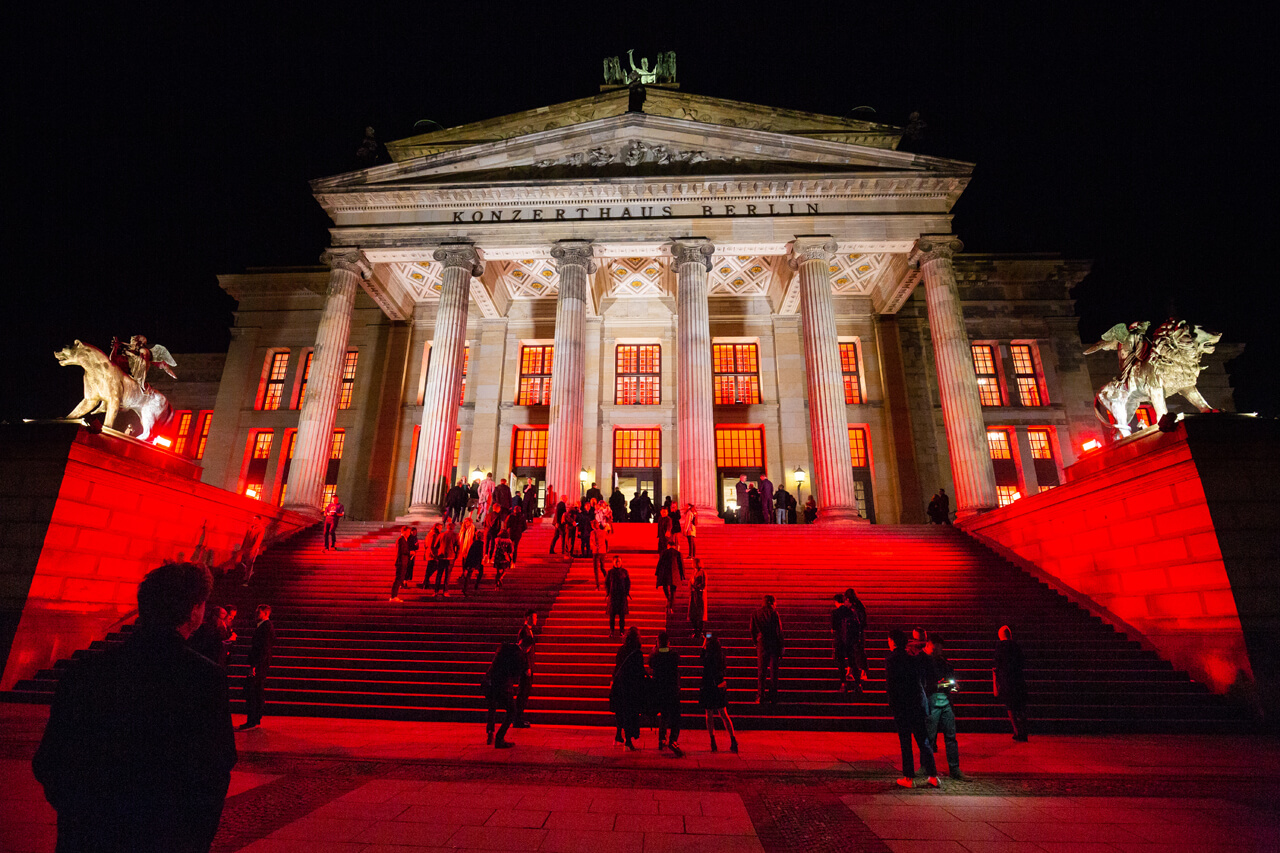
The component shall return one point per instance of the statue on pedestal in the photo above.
(1152, 368)
(119, 381)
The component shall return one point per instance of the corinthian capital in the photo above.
(462, 254)
(811, 247)
(934, 247)
(693, 250)
(347, 259)
(574, 253)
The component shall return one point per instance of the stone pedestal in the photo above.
(320, 407)
(695, 420)
(828, 422)
(975, 481)
(444, 380)
(568, 367)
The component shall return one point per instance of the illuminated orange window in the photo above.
(262, 445)
(1024, 372)
(306, 375)
(637, 448)
(290, 441)
(183, 433)
(735, 374)
(1040, 447)
(206, 420)
(1146, 415)
(330, 491)
(858, 447)
(739, 447)
(638, 375)
(339, 443)
(529, 450)
(1006, 495)
(466, 362)
(984, 365)
(849, 367)
(256, 464)
(348, 379)
(1042, 455)
(277, 366)
(998, 443)
(457, 447)
(535, 376)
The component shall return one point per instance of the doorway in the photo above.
(632, 481)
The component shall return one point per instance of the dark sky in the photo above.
(156, 149)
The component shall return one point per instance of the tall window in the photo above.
(306, 375)
(206, 420)
(984, 365)
(998, 442)
(535, 376)
(638, 381)
(462, 392)
(739, 447)
(637, 448)
(1042, 457)
(182, 434)
(426, 369)
(1024, 373)
(849, 367)
(290, 441)
(1006, 470)
(256, 469)
(336, 447)
(273, 389)
(860, 454)
(348, 379)
(735, 372)
(858, 447)
(529, 449)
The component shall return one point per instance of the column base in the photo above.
(971, 511)
(839, 516)
(314, 513)
(420, 514)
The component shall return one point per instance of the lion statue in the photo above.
(1153, 367)
(109, 389)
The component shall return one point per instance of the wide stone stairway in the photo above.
(344, 650)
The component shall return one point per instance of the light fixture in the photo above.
(251, 492)
(585, 476)
(1091, 444)
(476, 473)
(800, 475)
(164, 442)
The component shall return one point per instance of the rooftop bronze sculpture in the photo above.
(112, 385)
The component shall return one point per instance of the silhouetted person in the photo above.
(503, 555)
(527, 641)
(664, 529)
(473, 561)
(561, 531)
(907, 705)
(1009, 683)
(766, 633)
(810, 510)
(782, 505)
(664, 664)
(404, 550)
(766, 499)
(713, 691)
(594, 493)
(499, 691)
(255, 683)
(857, 640)
(333, 512)
(585, 518)
(137, 754)
(530, 499)
(209, 638)
(740, 491)
(618, 504)
(617, 586)
(940, 684)
(841, 632)
(626, 694)
(455, 500)
(689, 527)
(940, 508)
(698, 599)
(669, 563)
(444, 550)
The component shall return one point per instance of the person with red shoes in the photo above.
(907, 704)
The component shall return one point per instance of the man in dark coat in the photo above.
(255, 683)
(766, 498)
(940, 508)
(561, 532)
(527, 641)
(209, 639)
(618, 505)
(455, 501)
(586, 515)
(741, 495)
(664, 529)
(617, 587)
(664, 664)
(857, 639)
(499, 691)
(907, 705)
(502, 494)
(781, 505)
(1009, 683)
(841, 614)
(594, 493)
(529, 501)
(404, 551)
(137, 754)
(766, 633)
(669, 563)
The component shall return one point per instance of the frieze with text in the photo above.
(634, 211)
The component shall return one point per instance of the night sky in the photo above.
(153, 150)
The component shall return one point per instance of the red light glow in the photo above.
(164, 442)
(1091, 444)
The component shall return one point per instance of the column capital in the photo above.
(693, 250)
(933, 247)
(811, 247)
(574, 253)
(347, 259)
(462, 254)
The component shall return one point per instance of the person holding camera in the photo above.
(940, 683)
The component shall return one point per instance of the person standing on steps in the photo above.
(669, 563)
(527, 640)
(713, 691)
(599, 549)
(492, 528)
(626, 692)
(503, 555)
(499, 690)
(664, 664)
(586, 516)
(487, 485)
(782, 505)
(766, 499)
(840, 616)
(455, 500)
(810, 510)
(255, 683)
(502, 495)
(561, 531)
(618, 505)
(766, 633)
(516, 526)
(617, 585)
(530, 502)
(940, 683)
(664, 529)
(404, 550)
(857, 639)
(740, 491)
(698, 599)
(939, 510)
(594, 493)
(444, 552)
(332, 513)
(473, 561)
(907, 705)
(1009, 682)
(689, 525)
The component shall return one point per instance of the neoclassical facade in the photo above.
(664, 300)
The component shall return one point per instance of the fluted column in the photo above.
(568, 367)
(975, 481)
(828, 421)
(320, 407)
(695, 421)
(434, 459)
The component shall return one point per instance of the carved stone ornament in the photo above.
(934, 247)
(348, 260)
(695, 250)
(632, 153)
(577, 252)
(460, 254)
(821, 247)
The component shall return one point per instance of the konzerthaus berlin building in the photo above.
(665, 299)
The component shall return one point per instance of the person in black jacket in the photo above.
(857, 640)
(562, 532)
(209, 639)
(669, 563)
(766, 633)
(138, 750)
(255, 683)
(907, 705)
(527, 640)
(618, 505)
(626, 693)
(664, 664)
(1009, 683)
(617, 589)
(940, 685)
(713, 691)
(499, 691)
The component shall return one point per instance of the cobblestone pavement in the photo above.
(326, 786)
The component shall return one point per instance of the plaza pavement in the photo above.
(358, 786)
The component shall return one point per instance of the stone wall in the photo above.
(85, 517)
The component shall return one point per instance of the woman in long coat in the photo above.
(617, 588)
(698, 599)
(626, 694)
(669, 562)
(713, 693)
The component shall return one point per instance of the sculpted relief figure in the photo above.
(1152, 368)
(118, 382)
(642, 74)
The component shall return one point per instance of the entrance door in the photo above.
(728, 477)
(633, 481)
(539, 476)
